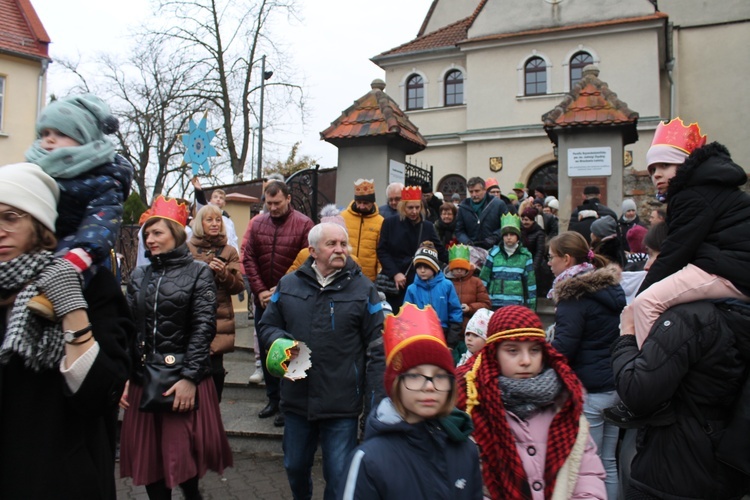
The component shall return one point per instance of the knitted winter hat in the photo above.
(512, 196)
(606, 226)
(411, 338)
(554, 204)
(478, 323)
(591, 190)
(427, 254)
(530, 213)
(331, 213)
(515, 323)
(459, 257)
(26, 187)
(85, 118)
(628, 204)
(635, 239)
(364, 190)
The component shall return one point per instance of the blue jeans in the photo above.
(603, 434)
(337, 437)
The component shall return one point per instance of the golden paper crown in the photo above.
(411, 193)
(676, 134)
(411, 325)
(168, 208)
(364, 187)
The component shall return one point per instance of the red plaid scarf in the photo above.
(502, 469)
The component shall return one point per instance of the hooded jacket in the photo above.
(587, 322)
(439, 293)
(481, 230)
(364, 233)
(180, 306)
(341, 324)
(708, 218)
(433, 459)
(471, 292)
(695, 352)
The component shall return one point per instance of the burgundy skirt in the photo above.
(173, 446)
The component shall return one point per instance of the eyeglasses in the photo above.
(10, 222)
(417, 381)
(393, 200)
(550, 257)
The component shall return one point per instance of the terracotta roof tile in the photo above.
(590, 102)
(21, 31)
(375, 114)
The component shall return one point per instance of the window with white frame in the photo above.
(535, 76)
(415, 92)
(454, 88)
(577, 63)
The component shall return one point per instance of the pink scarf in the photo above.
(569, 273)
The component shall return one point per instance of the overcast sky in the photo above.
(331, 48)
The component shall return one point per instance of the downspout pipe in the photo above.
(40, 88)
(669, 66)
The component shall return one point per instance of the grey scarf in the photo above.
(36, 340)
(66, 163)
(523, 397)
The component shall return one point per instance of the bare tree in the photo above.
(224, 41)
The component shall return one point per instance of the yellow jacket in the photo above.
(364, 233)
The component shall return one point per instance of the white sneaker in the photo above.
(257, 377)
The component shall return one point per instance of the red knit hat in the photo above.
(515, 323)
(414, 337)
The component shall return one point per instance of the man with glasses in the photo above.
(393, 193)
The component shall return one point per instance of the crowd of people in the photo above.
(401, 339)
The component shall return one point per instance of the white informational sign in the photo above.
(590, 162)
(396, 172)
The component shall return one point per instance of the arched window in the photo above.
(454, 88)
(415, 92)
(535, 73)
(577, 63)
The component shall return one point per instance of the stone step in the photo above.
(246, 432)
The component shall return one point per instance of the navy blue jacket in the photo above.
(90, 208)
(399, 241)
(587, 319)
(433, 459)
(481, 230)
(342, 325)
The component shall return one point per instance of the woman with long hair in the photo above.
(59, 380)
(174, 302)
(588, 300)
(208, 244)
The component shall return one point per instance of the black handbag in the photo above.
(160, 371)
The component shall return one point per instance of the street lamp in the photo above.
(264, 75)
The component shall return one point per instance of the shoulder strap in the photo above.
(142, 301)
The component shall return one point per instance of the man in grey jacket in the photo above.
(335, 310)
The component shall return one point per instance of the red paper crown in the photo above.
(676, 134)
(167, 208)
(410, 325)
(490, 182)
(411, 193)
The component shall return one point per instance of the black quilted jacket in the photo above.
(179, 308)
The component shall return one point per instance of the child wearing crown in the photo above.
(472, 293)
(527, 407)
(94, 181)
(508, 272)
(416, 443)
(430, 288)
(708, 243)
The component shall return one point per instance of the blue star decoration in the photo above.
(198, 147)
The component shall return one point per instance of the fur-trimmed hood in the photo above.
(711, 164)
(601, 284)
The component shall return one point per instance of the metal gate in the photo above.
(416, 176)
(308, 193)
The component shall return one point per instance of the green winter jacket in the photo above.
(510, 280)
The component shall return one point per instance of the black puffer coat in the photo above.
(691, 352)
(708, 218)
(587, 319)
(180, 306)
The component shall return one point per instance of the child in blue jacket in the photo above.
(431, 287)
